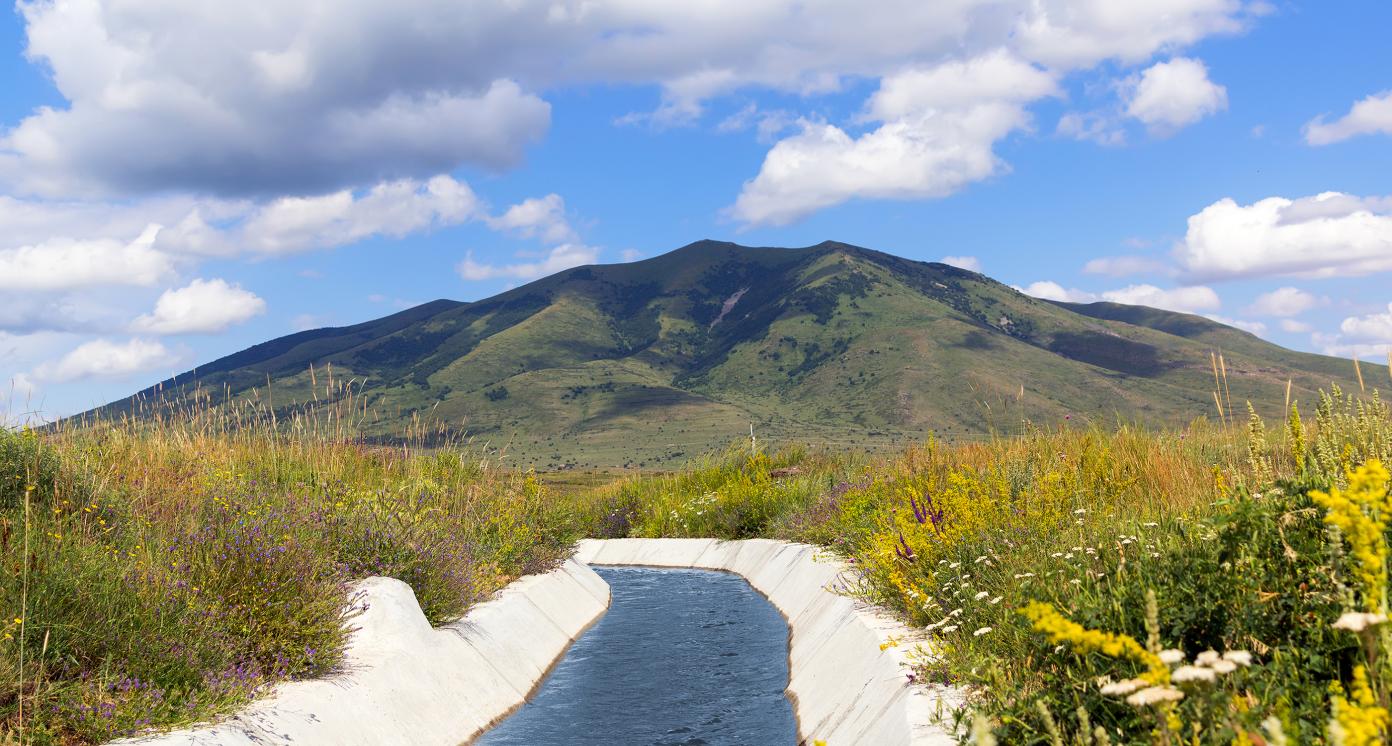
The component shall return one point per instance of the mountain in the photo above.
(658, 360)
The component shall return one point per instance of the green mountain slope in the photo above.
(655, 361)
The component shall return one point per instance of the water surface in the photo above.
(682, 657)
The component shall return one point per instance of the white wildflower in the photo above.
(1207, 658)
(1154, 695)
(1056, 555)
(980, 559)
(1080, 511)
(1122, 688)
(949, 628)
(955, 612)
(982, 631)
(1193, 673)
(1357, 621)
(981, 595)
(1150, 524)
(1223, 666)
(996, 600)
(954, 565)
(1076, 581)
(1240, 657)
(1020, 575)
(1172, 656)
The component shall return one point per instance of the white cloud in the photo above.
(631, 255)
(963, 262)
(1371, 115)
(1368, 336)
(1169, 96)
(936, 138)
(64, 264)
(1253, 327)
(1295, 327)
(394, 208)
(1328, 235)
(1181, 299)
(1282, 302)
(1374, 327)
(101, 358)
(1120, 266)
(1191, 299)
(270, 108)
(561, 257)
(203, 306)
(1050, 290)
(538, 217)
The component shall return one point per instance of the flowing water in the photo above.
(682, 657)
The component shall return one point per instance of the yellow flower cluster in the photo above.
(1060, 630)
(1361, 513)
(1358, 721)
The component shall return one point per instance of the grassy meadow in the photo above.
(1223, 583)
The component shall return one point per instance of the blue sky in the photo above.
(177, 184)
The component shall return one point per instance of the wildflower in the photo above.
(982, 631)
(1020, 575)
(1154, 695)
(1061, 629)
(981, 595)
(1357, 621)
(1223, 666)
(1124, 687)
(949, 629)
(1080, 511)
(1150, 524)
(1193, 673)
(1240, 657)
(1358, 720)
(1172, 656)
(1360, 514)
(996, 600)
(1206, 658)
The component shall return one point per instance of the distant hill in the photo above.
(655, 361)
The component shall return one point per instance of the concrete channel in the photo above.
(405, 682)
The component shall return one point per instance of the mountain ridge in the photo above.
(652, 361)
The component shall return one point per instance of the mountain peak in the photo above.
(673, 355)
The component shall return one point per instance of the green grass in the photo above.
(157, 572)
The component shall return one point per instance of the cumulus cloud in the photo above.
(1193, 299)
(393, 208)
(1295, 327)
(65, 264)
(102, 358)
(1369, 116)
(1283, 302)
(561, 257)
(538, 217)
(1367, 336)
(1328, 235)
(1253, 327)
(970, 263)
(1169, 96)
(939, 127)
(202, 306)
(273, 107)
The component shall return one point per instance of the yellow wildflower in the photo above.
(1061, 629)
(1360, 513)
(1358, 721)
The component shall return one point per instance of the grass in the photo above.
(153, 574)
(165, 570)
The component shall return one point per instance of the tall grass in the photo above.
(162, 569)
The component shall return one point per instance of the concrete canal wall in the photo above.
(404, 682)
